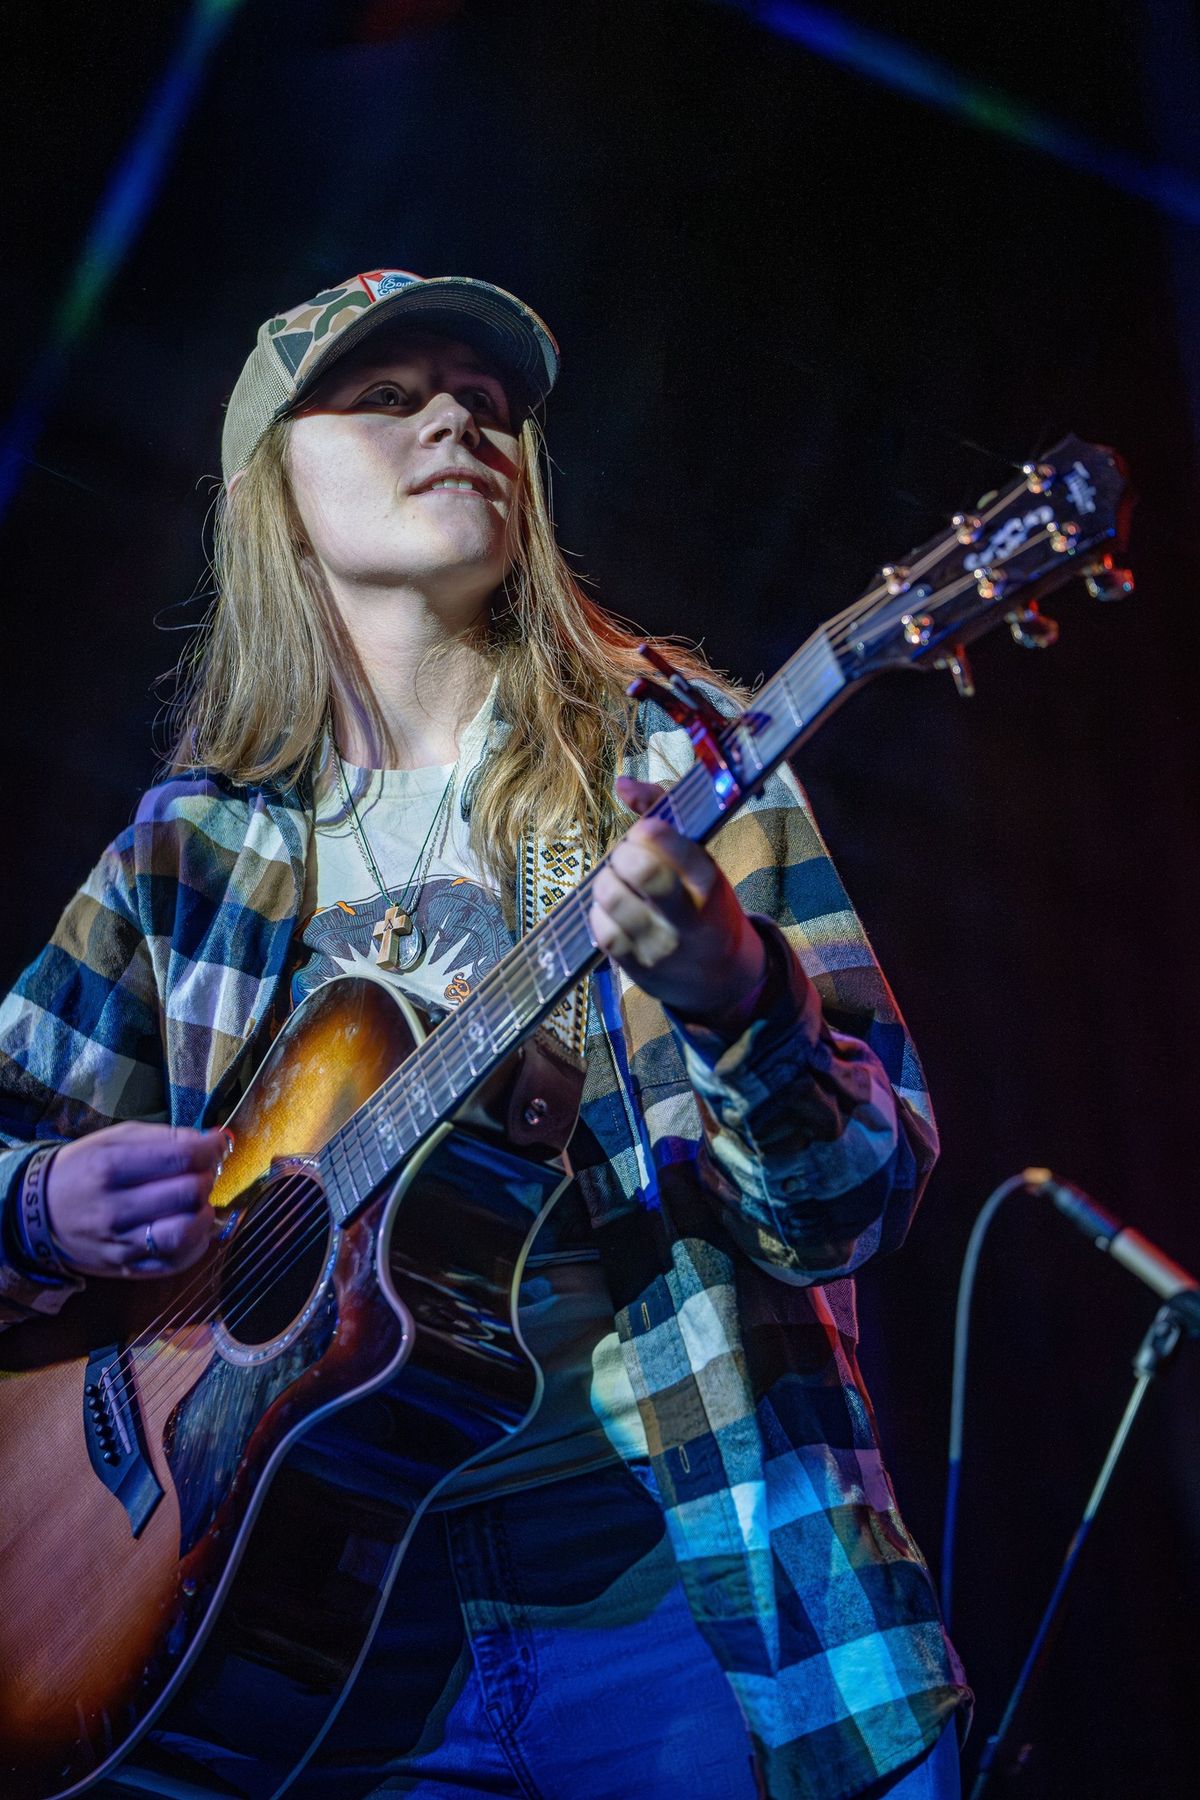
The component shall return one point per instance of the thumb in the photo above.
(638, 796)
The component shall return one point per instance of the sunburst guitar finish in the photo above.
(220, 1472)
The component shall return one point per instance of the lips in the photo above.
(456, 479)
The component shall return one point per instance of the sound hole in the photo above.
(273, 1261)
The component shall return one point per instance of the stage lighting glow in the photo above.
(130, 193)
(910, 71)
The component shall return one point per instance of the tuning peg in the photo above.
(990, 582)
(960, 670)
(1038, 476)
(1107, 583)
(959, 665)
(1031, 630)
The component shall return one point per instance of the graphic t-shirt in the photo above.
(414, 827)
(413, 824)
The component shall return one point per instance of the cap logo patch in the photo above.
(390, 281)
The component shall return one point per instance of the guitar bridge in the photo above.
(112, 1429)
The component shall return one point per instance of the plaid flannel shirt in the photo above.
(733, 1189)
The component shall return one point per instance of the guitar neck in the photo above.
(1043, 530)
(549, 961)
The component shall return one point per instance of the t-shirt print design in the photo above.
(465, 935)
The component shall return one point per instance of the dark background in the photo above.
(804, 318)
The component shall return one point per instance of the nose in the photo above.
(447, 421)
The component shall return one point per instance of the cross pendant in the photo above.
(394, 925)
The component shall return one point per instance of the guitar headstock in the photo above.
(1066, 517)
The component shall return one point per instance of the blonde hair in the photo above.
(274, 658)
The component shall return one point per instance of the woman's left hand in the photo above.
(666, 914)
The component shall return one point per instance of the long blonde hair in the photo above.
(274, 657)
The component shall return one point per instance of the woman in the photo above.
(400, 695)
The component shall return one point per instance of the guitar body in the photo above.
(220, 1472)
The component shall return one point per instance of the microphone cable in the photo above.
(958, 1385)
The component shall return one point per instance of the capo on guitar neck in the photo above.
(684, 702)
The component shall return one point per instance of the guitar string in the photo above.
(262, 1226)
(292, 1191)
(824, 641)
(142, 1353)
(157, 1394)
(273, 1217)
(236, 1307)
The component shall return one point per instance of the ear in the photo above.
(231, 485)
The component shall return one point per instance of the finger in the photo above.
(169, 1245)
(138, 1207)
(640, 864)
(638, 796)
(150, 1153)
(691, 862)
(608, 936)
(635, 909)
(668, 870)
(628, 928)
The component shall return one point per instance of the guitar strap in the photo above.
(547, 869)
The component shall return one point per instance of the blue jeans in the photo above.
(935, 1777)
(539, 1647)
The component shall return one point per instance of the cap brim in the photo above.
(492, 321)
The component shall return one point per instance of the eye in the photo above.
(482, 401)
(386, 393)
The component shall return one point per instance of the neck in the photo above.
(428, 668)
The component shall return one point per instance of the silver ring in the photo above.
(151, 1246)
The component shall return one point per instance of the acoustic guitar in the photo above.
(215, 1477)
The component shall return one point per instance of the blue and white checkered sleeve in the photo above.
(819, 1135)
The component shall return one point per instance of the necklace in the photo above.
(401, 940)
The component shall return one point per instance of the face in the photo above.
(403, 467)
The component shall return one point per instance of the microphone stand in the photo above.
(1176, 1319)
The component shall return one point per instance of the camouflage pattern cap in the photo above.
(295, 349)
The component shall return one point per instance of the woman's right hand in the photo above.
(132, 1199)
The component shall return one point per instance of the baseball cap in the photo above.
(295, 349)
